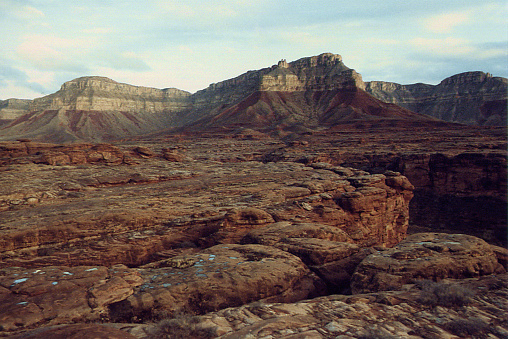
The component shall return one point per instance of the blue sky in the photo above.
(190, 44)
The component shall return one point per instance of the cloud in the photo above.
(50, 52)
(458, 48)
(442, 47)
(446, 22)
(18, 10)
(17, 83)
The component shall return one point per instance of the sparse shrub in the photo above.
(182, 326)
(468, 327)
(441, 294)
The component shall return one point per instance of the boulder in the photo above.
(60, 294)
(218, 277)
(425, 256)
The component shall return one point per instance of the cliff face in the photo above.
(319, 73)
(324, 72)
(97, 109)
(103, 94)
(11, 109)
(473, 98)
(315, 91)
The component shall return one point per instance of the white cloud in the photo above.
(47, 51)
(446, 22)
(443, 47)
(12, 90)
(457, 48)
(43, 78)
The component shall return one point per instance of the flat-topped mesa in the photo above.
(96, 93)
(319, 73)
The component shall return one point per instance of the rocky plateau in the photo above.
(285, 203)
(248, 236)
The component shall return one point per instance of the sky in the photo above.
(193, 43)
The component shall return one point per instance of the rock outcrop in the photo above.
(218, 277)
(433, 256)
(473, 98)
(94, 235)
(459, 173)
(397, 314)
(368, 210)
(102, 94)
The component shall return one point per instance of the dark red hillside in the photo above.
(270, 109)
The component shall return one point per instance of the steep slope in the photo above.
(473, 98)
(97, 109)
(314, 92)
(278, 109)
(319, 91)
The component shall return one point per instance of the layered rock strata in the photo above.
(314, 92)
(108, 240)
(459, 173)
(473, 98)
(12, 109)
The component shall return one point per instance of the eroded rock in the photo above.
(425, 256)
(219, 277)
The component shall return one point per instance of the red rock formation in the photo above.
(432, 256)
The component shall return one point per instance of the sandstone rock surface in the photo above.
(432, 256)
(394, 314)
(60, 294)
(218, 277)
(293, 194)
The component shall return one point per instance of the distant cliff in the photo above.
(103, 94)
(323, 72)
(96, 109)
(473, 98)
(318, 91)
(12, 109)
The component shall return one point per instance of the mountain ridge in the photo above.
(472, 98)
(95, 108)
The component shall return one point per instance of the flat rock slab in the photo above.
(425, 256)
(219, 277)
(59, 294)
